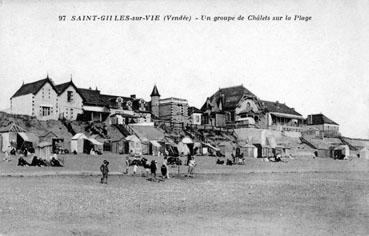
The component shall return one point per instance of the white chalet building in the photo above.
(45, 101)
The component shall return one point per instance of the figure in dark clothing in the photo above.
(153, 168)
(164, 171)
(104, 171)
(25, 152)
(189, 157)
(35, 161)
(56, 163)
(22, 162)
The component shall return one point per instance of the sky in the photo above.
(315, 66)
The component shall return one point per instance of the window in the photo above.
(197, 118)
(45, 111)
(70, 96)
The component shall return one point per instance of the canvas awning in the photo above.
(286, 115)
(44, 144)
(211, 146)
(155, 143)
(95, 108)
(187, 140)
(132, 138)
(24, 137)
(95, 142)
(79, 136)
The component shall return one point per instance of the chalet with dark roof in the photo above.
(39, 99)
(326, 126)
(45, 100)
(70, 101)
(239, 106)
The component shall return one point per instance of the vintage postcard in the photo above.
(140, 117)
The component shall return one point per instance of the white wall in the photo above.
(47, 96)
(71, 109)
(196, 119)
(21, 105)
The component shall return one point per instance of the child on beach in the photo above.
(153, 168)
(104, 171)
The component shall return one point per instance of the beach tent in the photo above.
(189, 142)
(96, 145)
(26, 140)
(197, 148)
(78, 142)
(44, 150)
(134, 145)
(183, 149)
(226, 149)
(207, 148)
(341, 151)
(155, 148)
(8, 136)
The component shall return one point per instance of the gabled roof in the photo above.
(155, 92)
(91, 97)
(192, 110)
(33, 87)
(319, 119)
(60, 88)
(229, 97)
(12, 128)
(279, 108)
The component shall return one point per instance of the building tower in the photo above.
(155, 97)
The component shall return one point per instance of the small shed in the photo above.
(44, 150)
(119, 146)
(77, 143)
(56, 142)
(248, 150)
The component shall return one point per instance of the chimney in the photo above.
(133, 96)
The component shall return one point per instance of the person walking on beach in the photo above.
(104, 171)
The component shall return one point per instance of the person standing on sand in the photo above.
(153, 168)
(126, 165)
(165, 164)
(104, 171)
(191, 167)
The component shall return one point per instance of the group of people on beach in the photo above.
(51, 160)
(148, 168)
